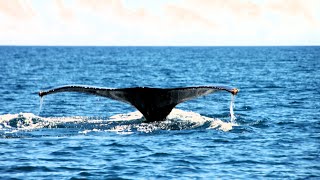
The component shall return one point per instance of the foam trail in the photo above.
(232, 116)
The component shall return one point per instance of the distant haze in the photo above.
(162, 22)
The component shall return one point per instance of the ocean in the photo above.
(276, 133)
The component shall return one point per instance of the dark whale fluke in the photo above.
(154, 103)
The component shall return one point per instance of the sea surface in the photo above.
(276, 133)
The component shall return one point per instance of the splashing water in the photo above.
(121, 123)
(225, 126)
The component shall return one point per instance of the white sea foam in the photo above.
(25, 121)
(127, 116)
(88, 131)
(29, 121)
(122, 123)
(177, 120)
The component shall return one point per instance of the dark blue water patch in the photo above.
(26, 169)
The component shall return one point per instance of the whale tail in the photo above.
(154, 103)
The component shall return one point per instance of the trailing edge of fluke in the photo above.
(154, 103)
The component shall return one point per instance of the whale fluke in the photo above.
(154, 103)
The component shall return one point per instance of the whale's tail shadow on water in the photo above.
(154, 103)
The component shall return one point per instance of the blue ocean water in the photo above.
(76, 136)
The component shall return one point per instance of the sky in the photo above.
(160, 22)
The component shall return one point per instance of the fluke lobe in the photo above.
(154, 103)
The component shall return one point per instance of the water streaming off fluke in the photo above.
(40, 106)
(232, 105)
